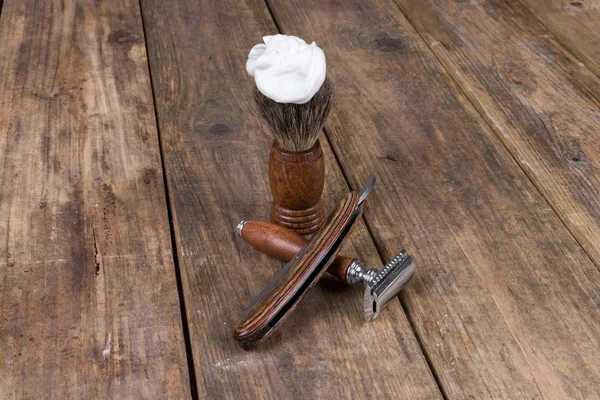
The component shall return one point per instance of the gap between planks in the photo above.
(452, 82)
(380, 252)
(494, 129)
(580, 51)
(184, 319)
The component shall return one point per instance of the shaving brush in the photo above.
(296, 165)
(293, 95)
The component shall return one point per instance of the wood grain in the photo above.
(506, 303)
(575, 23)
(296, 179)
(542, 105)
(216, 153)
(88, 298)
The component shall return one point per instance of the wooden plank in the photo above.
(88, 298)
(575, 23)
(505, 301)
(541, 104)
(216, 153)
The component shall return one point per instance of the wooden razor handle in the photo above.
(283, 244)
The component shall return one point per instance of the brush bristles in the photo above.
(296, 127)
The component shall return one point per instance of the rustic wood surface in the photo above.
(540, 103)
(575, 23)
(88, 297)
(479, 119)
(505, 302)
(216, 152)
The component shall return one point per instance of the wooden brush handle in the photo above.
(296, 180)
(283, 244)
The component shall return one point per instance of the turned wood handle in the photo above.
(296, 180)
(284, 244)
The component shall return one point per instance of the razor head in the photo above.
(285, 291)
(387, 283)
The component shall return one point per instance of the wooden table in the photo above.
(130, 148)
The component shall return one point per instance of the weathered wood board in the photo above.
(88, 298)
(542, 105)
(506, 302)
(575, 23)
(216, 153)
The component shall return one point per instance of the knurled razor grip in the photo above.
(289, 286)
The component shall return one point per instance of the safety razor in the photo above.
(381, 285)
(290, 285)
